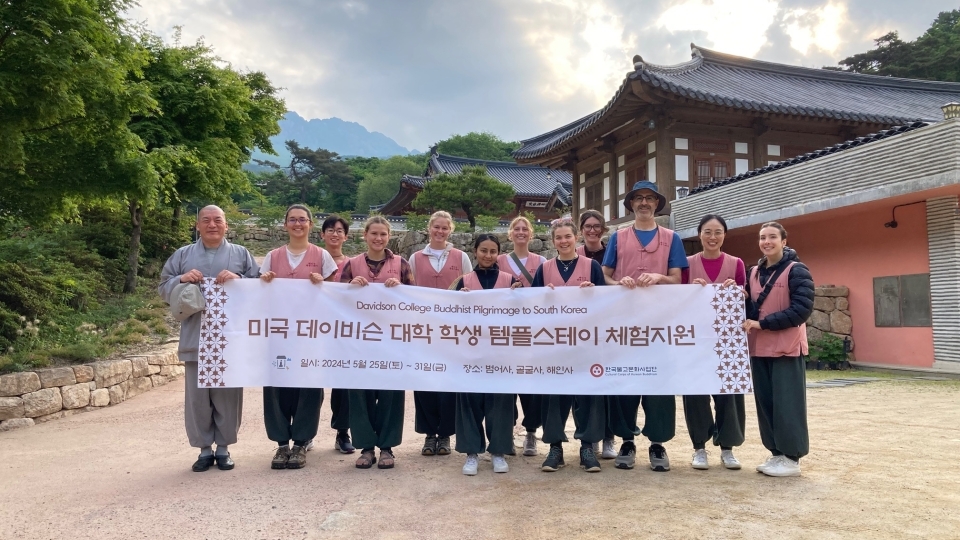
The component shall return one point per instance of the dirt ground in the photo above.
(883, 464)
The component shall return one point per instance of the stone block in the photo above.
(11, 407)
(75, 396)
(137, 386)
(100, 397)
(824, 303)
(820, 320)
(139, 367)
(15, 423)
(840, 323)
(159, 380)
(111, 372)
(154, 369)
(536, 245)
(813, 334)
(42, 402)
(83, 373)
(833, 291)
(117, 394)
(92, 385)
(16, 384)
(60, 376)
(48, 417)
(843, 304)
(171, 371)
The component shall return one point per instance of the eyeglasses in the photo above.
(646, 198)
(335, 231)
(593, 227)
(295, 221)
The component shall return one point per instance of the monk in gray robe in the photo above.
(212, 415)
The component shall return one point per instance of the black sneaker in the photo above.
(554, 461)
(627, 456)
(658, 458)
(588, 459)
(429, 446)
(342, 444)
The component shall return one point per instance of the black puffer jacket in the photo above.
(801, 293)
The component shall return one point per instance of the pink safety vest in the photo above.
(340, 265)
(390, 268)
(728, 268)
(581, 273)
(472, 282)
(312, 262)
(776, 343)
(634, 259)
(452, 269)
(533, 262)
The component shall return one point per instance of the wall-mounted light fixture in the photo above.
(892, 224)
(650, 124)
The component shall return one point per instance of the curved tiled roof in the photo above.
(846, 145)
(527, 180)
(765, 87)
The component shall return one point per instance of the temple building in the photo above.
(716, 116)
(539, 190)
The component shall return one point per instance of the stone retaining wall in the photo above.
(831, 314)
(34, 397)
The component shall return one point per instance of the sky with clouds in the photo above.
(422, 70)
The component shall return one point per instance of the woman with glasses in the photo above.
(568, 269)
(376, 416)
(334, 232)
(437, 265)
(714, 266)
(522, 264)
(294, 413)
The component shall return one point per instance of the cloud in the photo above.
(733, 26)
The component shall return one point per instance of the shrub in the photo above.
(828, 348)
(487, 224)
(417, 222)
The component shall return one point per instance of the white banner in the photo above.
(667, 339)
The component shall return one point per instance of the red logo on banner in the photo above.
(596, 370)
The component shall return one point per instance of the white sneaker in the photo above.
(609, 450)
(729, 460)
(783, 467)
(499, 464)
(699, 461)
(530, 444)
(769, 462)
(470, 467)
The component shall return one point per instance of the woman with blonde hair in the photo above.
(438, 265)
(294, 413)
(522, 264)
(376, 416)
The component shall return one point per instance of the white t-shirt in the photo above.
(438, 258)
(327, 267)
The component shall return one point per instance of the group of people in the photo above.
(778, 294)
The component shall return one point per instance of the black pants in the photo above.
(291, 413)
(591, 418)
(728, 427)
(435, 413)
(482, 418)
(376, 417)
(780, 388)
(555, 412)
(659, 417)
(340, 407)
(531, 406)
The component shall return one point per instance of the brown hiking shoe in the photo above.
(298, 457)
(280, 458)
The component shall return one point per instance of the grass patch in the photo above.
(78, 353)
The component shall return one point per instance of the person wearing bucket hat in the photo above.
(211, 415)
(644, 255)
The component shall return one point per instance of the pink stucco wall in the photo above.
(851, 247)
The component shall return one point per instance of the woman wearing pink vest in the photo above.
(294, 413)
(475, 409)
(714, 266)
(376, 416)
(570, 270)
(779, 302)
(334, 232)
(437, 265)
(522, 264)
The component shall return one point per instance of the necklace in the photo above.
(566, 264)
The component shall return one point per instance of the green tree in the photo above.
(382, 183)
(486, 146)
(320, 178)
(933, 56)
(473, 191)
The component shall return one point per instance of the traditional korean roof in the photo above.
(745, 84)
(840, 147)
(527, 180)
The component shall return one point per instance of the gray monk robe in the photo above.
(211, 415)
